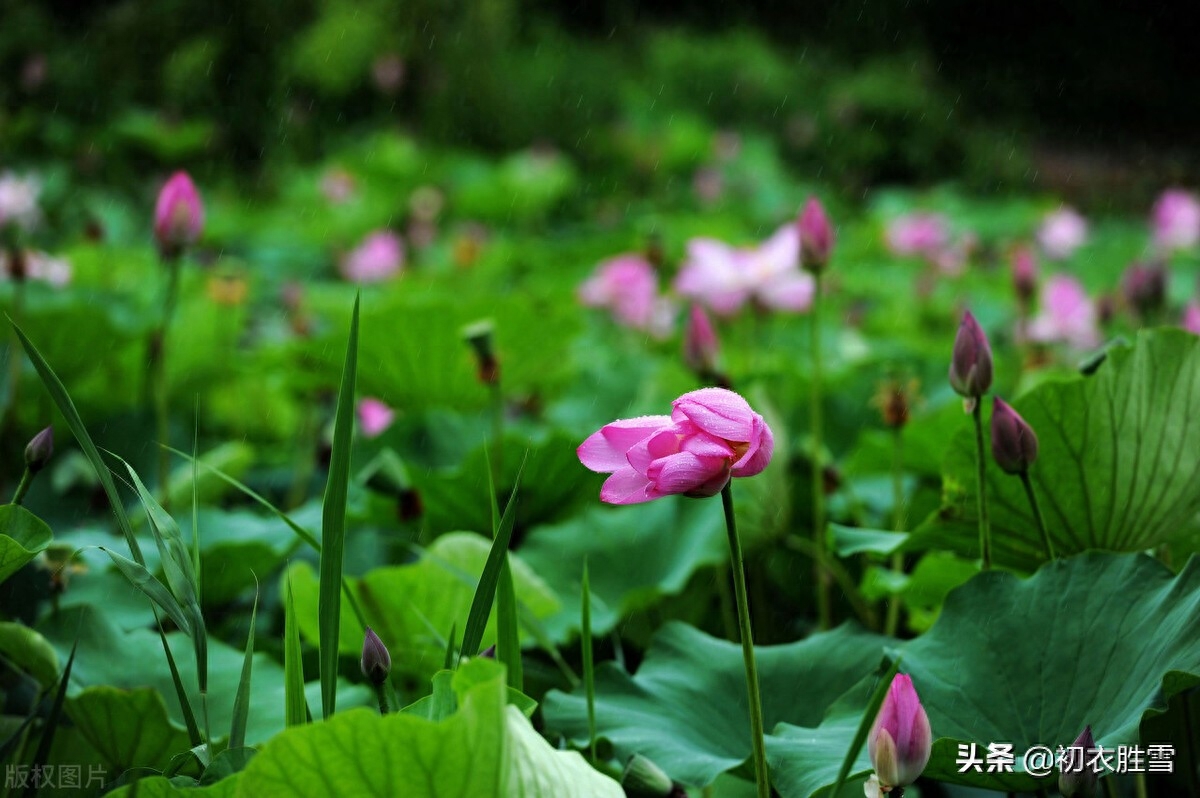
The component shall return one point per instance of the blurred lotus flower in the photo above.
(971, 361)
(1144, 288)
(894, 399)
(1076, 779)
(1191, 317)
(337, 186)
(388, 72)
(379, 257)
(178, 215)
(1062, 232)
(39, 450)
(711, 435)
(700, 345)
(628, 286)
(708, 185)
(724, 278)
(1176, 220)
(816, 236)
(1014, 444)
(1067, 315)
(1024, 274)
(19, 201)
(924, 234)
(900, 741)
(376, 662)
(374, 416)
(35, 265)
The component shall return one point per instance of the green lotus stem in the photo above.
(23, 486)
(893, 610)
(985, 535)
(1110, 787)
(158, 366)
(381, 696)
(761, 776)
(818, 472)
(1037, 514)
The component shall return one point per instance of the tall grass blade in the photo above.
(189, 717)
(508, 631)
(333, 524)
(295, 705)
(51, 726)
(141, 578)
(241, 701)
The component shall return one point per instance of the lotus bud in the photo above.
(178, 215)
(644, 779)
(39, 449)
(816, 237)
(1024, 275)
(900, 741)
(1014, 444)
(376, 662)
(1075, 778)
(971, 363)
(479, 336)
(488, 653)
(1145, 288)
(700, 345)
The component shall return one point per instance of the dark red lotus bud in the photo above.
(1014, 444)
(971, 363)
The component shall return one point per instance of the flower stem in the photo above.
(381, 695)
(739, 586)
(821, 578)
(158, 365)
(985, 535)
(893, 610)
(1037, 514)
(23, 486)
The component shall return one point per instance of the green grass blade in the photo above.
(196, 501)
(589, 666)
(51, 724)
(241, 701)
(864, 726)
(485, 592)
(67, 407)
(508, 632)
(189, 717)
(295, 705)
(448, 661)
(333, 524)
(156, 591)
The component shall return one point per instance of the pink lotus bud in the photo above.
(700, 344)
(178, 215)
(1024, 274)
(378, 257)
(711, 435)
(1062, 232)
(971, 362)
(39, 449)
(1176, 220)
(374, 416)
(1075, 778)
(816, 237)
(1191, 318)
(901, 741)
(376, 662)
(1014, 444)
(1144, 287)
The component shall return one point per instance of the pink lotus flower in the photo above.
(1062, 232)
(724, 278)
(924, 234)
(628, 286)
(35, 265)
(1176, 220)
(378, 257)
(1191, 317)
(900, 741)
(700, 345)
(374, 416)
(1067, 314)
(178, 215)
(711, 435)
(19, 201)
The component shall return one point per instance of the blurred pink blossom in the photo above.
(1176, 220)
(724, 278)
(1191, 317)
(628, 286)
(39, 266)
(1062, 232)
(925, 234)
(19, 201)
(708, 185)
(337, 186)
(1066, 315)
(378, 257)
(374, 416)
(178, 215)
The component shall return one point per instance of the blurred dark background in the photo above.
(1090, 97)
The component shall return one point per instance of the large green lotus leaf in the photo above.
(685, 708)
(485, 748)
(636, 555)
(128, 728)
(413, 607)
(30, 652)
(161, 787)
(1118, 465)
(235, 547)
(22, 537)
(108, 656)
(1100, 639)
(804, 761)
